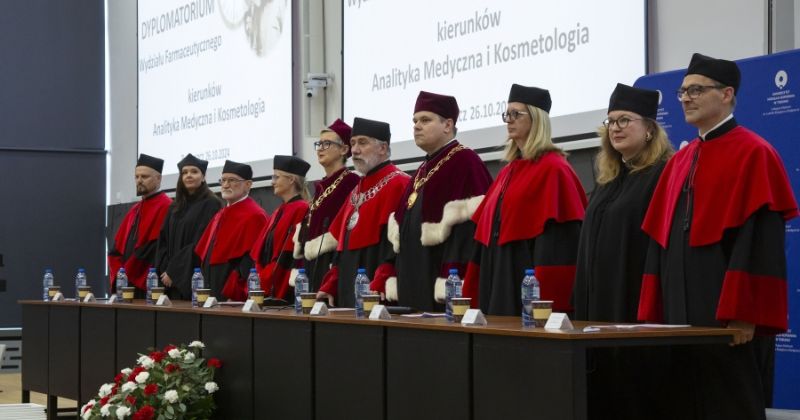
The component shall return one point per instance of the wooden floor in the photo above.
(11, 392)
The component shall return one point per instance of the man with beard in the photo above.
(231, 234)
(134, 247)
(360, 226)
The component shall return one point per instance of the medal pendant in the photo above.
(412, 199)
(351, 223)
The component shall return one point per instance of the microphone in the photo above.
(325, 222)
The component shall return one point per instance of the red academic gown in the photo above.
(272, 251)
(366, 245)
(224, 245)
(435, 234)
(135, 244)
(530, 218)
(313, 243)
(717, 223)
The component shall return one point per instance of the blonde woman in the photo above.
(531, 215)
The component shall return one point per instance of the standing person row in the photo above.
(189, 214)
(531, 215)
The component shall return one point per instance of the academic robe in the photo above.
(225, 243)
(530, 218)
(435, 234)
(365, 245)
(312, 242)
(180, 233)
(717, 223)
(611, 255)
(272, 251)
(136, 241)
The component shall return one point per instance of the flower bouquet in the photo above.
(174, 383)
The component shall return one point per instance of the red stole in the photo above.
(282, 229)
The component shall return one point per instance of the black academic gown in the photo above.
(611, 256)
(179, 235)
(701, 285)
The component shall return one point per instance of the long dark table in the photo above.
(281, 365)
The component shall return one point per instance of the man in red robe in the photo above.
(134, 246)
(230, 235)
(360, 226)
(431, 230)
(717, 223)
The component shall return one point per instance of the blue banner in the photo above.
(768, 104)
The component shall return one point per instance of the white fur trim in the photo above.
(292, 276)
(391, 289)
(393, 233)
(320, 245)
(455, 212)
(298, 251)
(439, 289)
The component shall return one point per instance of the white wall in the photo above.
(730, 29)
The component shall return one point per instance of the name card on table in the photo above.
(473, 317)
(112, 299)
(379, 312)
(211, 302)
(89, 298)
(558, 321)
(251, 306)
(58, 297)
(319, 308)
(163, 300)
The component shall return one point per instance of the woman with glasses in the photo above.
(187, 218)
(612, 249)
(272, 251)
(531, 215)
(313, 243)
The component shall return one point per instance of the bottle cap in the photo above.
(121, 270)
(453, 271)
(152, 270)
(80, 270)
(48, 270)
(362, 271)
(301, 270)
(528, 271)
(197, 269)
(252, 270)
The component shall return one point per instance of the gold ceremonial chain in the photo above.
(418, 183)
(328, 191)
(357, 199)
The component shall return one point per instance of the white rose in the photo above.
(211, 387)
(189, 358)
(128, 386)
(174, 353)
(146, 362)
(126, 371)
(198, 344)
(171, 396)
(142, 377)
(104, 410)
(122, 412)
(84, 410)
(105, 389)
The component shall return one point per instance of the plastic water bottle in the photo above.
(152, 281)
(197, 283)
(122, 281)
(361, 288)
(530, 292)
(80, 280)
(300, 286)
(47, 281)
(452, 289)
(253, 281)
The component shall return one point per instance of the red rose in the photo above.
(104, 400)
(171, 368)
(137, 370)
(131, 399)
(150, 389)
(118, 378)
(157, 356)
(168, 348)
(214, 362)
(145, 413)
(114, 390)
(87, 408)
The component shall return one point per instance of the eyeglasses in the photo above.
(223, 181)
(512, 115)
(694, 91)
(326, 144)
(621, 122)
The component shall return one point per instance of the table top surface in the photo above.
(496, 325)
